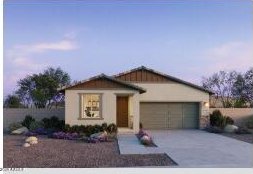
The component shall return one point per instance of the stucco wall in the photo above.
(172, 92)
(11, 115)
(108, 106)
(176, 92)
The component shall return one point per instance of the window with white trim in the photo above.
(90, 106)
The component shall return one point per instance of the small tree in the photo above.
(41, 89)
(12, 101)
(221, 84)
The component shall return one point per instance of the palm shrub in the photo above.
(217, 119)
(27, 121)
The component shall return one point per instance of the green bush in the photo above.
(229, 120)
(27, 121)
(15, 126)
(67, 128)
(53, 123)
(36, 124)
(217, 119)
(104, 126)
(249, 122)
(90, 129)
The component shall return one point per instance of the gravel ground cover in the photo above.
(66, 153)
(242, 137)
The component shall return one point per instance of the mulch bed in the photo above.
(70, 154)
(242, 137)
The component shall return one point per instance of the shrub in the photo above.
(53, 123)
(35, 125)
(242, 130)
(89, 130)
(217, 119)
(112, 128)
(104, 126)
(229, 120)
(97, 128)
(75, 128)
(67, 128)
(27, 121)
(249, 123)
(15, 126)
(214, 129)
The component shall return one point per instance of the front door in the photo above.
(122, 111)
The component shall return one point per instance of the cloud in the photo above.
(21, 59)
(63, 45)
(229, 56)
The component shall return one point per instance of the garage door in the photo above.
(169, 115)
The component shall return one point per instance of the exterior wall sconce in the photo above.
(206, 104)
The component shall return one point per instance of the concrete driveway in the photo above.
(193, 148)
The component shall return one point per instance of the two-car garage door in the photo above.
(169, 115)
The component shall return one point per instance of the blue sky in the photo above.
(187, 39)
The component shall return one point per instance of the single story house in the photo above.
(141, 95)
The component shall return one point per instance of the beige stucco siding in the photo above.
(175, 92)
(72, 104)
(172, 92)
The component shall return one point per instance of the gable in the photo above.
(142, 75)
(102, 82)
(98, 84)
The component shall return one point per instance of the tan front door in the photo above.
(122, 111)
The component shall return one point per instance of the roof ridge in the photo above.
(165, 75)
(102, 75)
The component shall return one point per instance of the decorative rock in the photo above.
(34, 142)
(99, 135)
(26, 145)
(20, 131)
(146, 140)
(230, 128)
(30, 139)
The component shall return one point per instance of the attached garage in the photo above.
(156, 115)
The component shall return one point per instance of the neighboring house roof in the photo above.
(97, 82)
(123, 76)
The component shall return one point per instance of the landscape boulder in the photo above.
(230, 128)
(26, 145)
(99, 135)
(31, 139)
(146, 140)
(20, 131)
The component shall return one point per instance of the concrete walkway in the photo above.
(192, 148)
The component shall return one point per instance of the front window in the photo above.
(90, 106)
